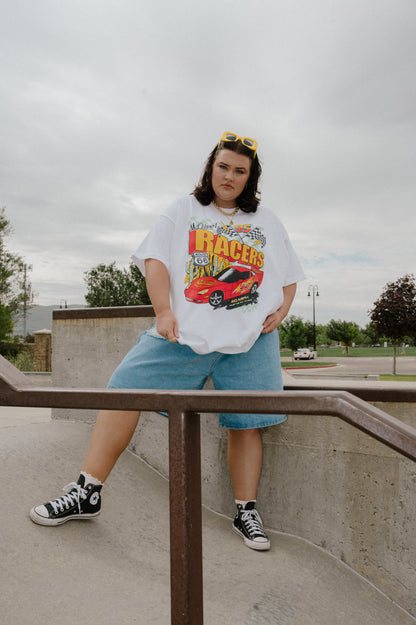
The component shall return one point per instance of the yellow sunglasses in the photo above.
(251, 144)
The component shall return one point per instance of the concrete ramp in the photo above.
(115, 569)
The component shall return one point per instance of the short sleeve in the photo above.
(156, 244)
(294, 272)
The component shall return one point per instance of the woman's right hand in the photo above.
(167, 325)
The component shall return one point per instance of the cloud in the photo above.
(109, 109)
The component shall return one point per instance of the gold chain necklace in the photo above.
(230, 215)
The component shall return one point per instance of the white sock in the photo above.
(243, 504)
(89, 479)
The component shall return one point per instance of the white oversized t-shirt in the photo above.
(225, 279)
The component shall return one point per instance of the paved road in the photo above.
(363, 366)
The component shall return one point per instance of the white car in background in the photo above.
(303, 354)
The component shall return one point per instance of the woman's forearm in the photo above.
(289, 293)
(158, 288)
(158, 285)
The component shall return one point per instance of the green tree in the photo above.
(343, 331)
(394, 313)
(370, 336)
(6, 323)
(361, 338)
(109, 286)
(12, 277)
(320, 334)
(293, 333)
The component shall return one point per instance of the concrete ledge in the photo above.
(39, 378)
(115, 312)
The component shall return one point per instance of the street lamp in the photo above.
(314, 289)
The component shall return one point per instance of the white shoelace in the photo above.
(66, 501)
(252, 521)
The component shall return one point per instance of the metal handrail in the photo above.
(400, 392)
(183, 408)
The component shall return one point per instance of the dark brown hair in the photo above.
(249, 199)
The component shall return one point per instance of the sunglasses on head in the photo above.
(251, 144)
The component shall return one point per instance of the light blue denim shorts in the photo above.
(155, 363)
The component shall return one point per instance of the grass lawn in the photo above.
(398, 378)
(371, 352)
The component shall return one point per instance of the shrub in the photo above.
(22, 361)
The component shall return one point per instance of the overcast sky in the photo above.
(109, 108)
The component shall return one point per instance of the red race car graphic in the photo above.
(229, 283)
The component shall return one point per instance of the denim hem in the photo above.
(254, 425)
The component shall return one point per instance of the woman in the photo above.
(221, 275)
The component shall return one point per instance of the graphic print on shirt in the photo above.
(225, 264)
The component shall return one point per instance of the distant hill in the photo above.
(38, 318)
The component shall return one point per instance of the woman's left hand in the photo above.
(273, 321)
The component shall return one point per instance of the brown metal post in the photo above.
(185, 518)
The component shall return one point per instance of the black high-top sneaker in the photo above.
(249, 526)
(82, 501)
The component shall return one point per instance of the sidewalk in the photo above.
(115, 569)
